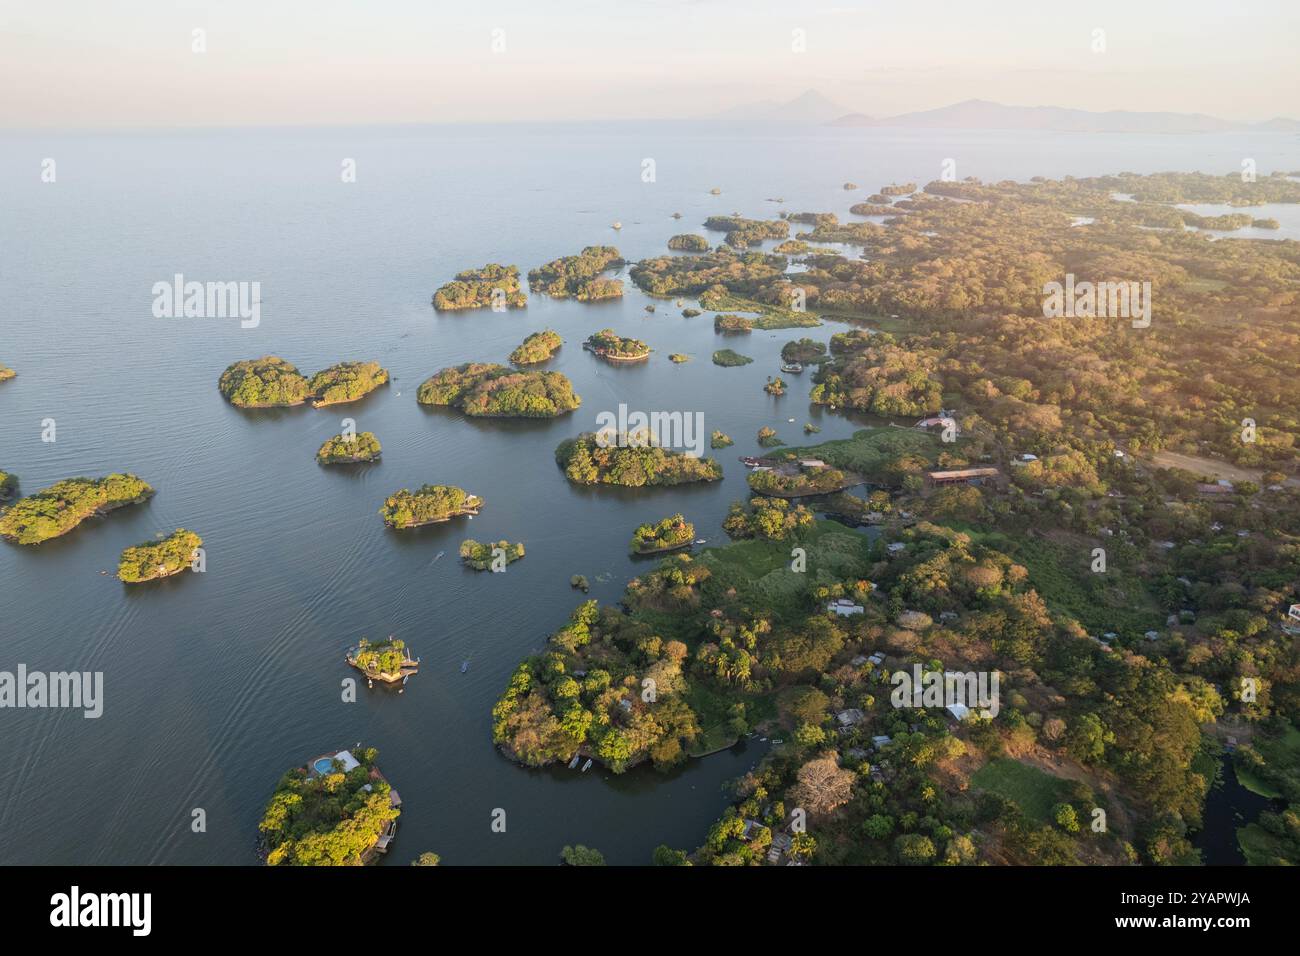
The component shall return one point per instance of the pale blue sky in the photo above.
(76, 63)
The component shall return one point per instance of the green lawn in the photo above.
(869, 449)
(713, 712)
(1259, 846)
(766, 317)
(1256, 785)
(1281, 755)
(760, 571)
(1034, 791)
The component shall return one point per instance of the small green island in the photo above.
(614, 348)
(485, 556)
(874, 209)
(6, 373)
(743, 233)
(342, 450)
(388, 660)
(728, 324)
(720, 439)
(690, 313)
(537, 348)
(768, 438)
(345, 382)
(159, 559)
(8, 485)
(804, 352)
(338, 810)
(634, 464)
(795, 481)
(678, 358)
(56, 510)
(729, 359)
(775, 386)
(670, 534)
(428, 504)
(688, 242)
(485, 390)
(266, 382)
(475, 288)
(579, 276)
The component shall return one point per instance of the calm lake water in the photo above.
(217, 683)
(1228, 807)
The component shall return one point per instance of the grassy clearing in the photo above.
(1034, 791)
(1063, 577)
(729, 359)
(869, 449)
(1259, 846)
(760, 572)
(714, 713)
(1281, 755)
(767, 317)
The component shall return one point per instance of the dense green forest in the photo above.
(497, 391)
(608, 344)
(481, 557)
(475, 288)
(58, 509)
(328, 819)
(428, 504)
(263, 382)
(346, 382)
(536, 348)
(631, 461)
(158, 559)
(579, 276)
(340, 450)
(672, 532)
(689, 242)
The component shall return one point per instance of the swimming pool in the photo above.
(324, 765)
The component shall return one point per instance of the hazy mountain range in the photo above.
(811, 107)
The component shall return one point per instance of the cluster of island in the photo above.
(968, 567)
(271, 382)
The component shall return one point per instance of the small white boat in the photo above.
(586, 766)
(616, 225)
(574, 762)
(700, 540)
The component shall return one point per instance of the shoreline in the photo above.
(261, 405)
(321, 403)
(653, 551)
(348, 460)
(428, 521)
(98, 512)
(156, 577)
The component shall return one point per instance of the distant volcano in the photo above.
(983, 114)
